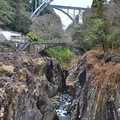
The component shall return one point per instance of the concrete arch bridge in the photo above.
(39, 5)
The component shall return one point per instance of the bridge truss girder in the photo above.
(39, 7)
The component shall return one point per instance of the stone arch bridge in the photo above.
(36, 47)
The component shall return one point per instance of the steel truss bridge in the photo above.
(39, 5)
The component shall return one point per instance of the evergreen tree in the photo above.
(98, 8)
(22, 22)
(6, 12)
(99, 34)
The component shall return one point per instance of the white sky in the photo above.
(77, 3)
(74, 3)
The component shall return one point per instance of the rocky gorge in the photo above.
(28, 85)
(95, 86)
(24, 92)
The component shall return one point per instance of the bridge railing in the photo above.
(68, 7)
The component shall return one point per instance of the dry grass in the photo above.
(107, 75)
(104, 72)
(9, 68)
(107, 72)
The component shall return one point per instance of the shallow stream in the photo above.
(62, 111)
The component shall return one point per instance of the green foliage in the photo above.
(40, 39)
(98, 8)
(95, 32)
(60, 53)
(34, 37)
(78, 34)
(22, 4)
(99, 34)
(1, 48)
(22, 23)
(111, 41)
(11, 14)
(6, 12)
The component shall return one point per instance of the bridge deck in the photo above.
(68, 7)
(50, 42)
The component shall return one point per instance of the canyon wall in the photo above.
(25, 91)
(94, 84)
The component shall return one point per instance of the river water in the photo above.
(62, 111)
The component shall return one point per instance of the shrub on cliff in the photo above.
(33, 37)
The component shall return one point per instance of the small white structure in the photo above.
(12, 36)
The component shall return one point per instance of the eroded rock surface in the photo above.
(25, 90)
(95, 86)
(27, 83)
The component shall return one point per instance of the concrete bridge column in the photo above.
(67, 11)
(79, 12)
(74, 13)
(80, 15)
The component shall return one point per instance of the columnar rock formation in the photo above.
(95, 86)
(24, 90)
(27, 83)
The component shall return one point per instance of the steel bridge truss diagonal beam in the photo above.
(40, 8)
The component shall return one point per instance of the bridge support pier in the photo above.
(31, 49)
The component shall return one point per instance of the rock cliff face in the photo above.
(27, 83)
(25, 90)
(95, 86)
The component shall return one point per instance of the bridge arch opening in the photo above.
(71, 18)
(76, 50)
(63, 54)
